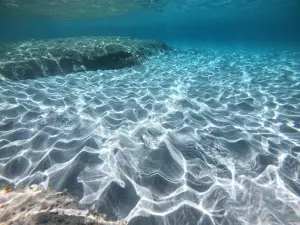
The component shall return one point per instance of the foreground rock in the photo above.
(35, 207)
(27, 60)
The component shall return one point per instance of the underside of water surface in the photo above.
(157, 112)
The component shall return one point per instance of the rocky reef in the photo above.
(37, 58)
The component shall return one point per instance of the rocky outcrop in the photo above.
(32, 59)
(36, 207)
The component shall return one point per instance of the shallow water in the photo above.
(208, 135)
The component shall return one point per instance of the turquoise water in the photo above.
(206, 133)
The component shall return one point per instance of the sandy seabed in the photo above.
(206, 136)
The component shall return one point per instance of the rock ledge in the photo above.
(32, 59)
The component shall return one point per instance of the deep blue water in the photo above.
(254, 21)
(206, 134)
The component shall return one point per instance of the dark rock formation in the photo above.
(26, 60)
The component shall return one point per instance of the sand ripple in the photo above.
(190, 137)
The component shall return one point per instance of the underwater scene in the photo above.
(150, 112)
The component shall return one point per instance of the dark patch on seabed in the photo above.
(32, 59)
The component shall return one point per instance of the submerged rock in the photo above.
(35, 207)
(32, 59)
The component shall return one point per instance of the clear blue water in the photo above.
(206, 134)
